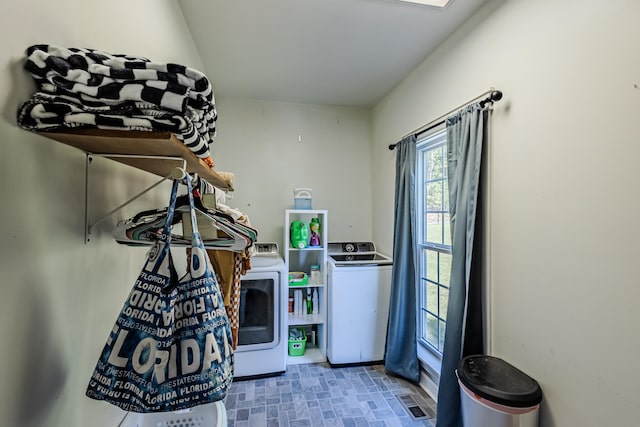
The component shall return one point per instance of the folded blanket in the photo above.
(172, 97)
(46, 112)
(97, 74)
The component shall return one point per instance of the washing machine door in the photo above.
(259, 311)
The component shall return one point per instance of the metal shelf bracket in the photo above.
(88, 226)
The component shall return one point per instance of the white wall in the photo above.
(60, 297)
(563, 182)
(563, 175)
(258, 141)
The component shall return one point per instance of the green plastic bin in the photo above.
(297, 346)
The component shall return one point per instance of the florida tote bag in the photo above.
(170, 347)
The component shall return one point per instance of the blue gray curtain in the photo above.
(401, 355)
(466, 134)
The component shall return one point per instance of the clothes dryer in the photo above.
(262, 339)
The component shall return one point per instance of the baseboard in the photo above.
(258, 377)
(428, 385)
(352, 364)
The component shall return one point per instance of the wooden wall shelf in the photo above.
(142, 143)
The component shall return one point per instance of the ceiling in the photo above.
(332, 52)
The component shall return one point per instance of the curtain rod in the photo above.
(493, 95)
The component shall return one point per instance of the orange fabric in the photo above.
(229, 267)
(209, 161)
(223, 265)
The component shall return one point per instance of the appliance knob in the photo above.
(349, 247)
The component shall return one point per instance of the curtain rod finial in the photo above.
(392, 147)
(496, 95)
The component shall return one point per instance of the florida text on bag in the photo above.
(171, 345)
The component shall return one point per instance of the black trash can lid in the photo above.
(499, 382)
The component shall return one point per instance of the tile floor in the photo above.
(318, 395)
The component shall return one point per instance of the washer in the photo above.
(262, 339)
(359, 290)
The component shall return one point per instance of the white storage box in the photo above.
(209, 415)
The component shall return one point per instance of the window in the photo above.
(433, 239)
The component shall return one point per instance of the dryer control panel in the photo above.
(351, 247)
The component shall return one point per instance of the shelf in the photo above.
(306, 286)
(142, 143)
(311, 355)
(301, 259)
(305, 319)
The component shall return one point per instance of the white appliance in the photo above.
(262, 337)
(359, 290)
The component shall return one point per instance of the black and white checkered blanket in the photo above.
(90, 88)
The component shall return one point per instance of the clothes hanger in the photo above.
(147, 231)
(143, 229)
(226, 223)
(237, 239)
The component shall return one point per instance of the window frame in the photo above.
(428, 354)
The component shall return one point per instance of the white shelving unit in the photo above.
(301, 260)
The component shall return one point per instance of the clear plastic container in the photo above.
(315, 277)
(301, 198)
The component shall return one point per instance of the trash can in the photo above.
(494, 393)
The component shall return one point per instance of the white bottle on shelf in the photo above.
(298, 301)
(316, 306)
(303, 304)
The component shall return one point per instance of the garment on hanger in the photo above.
(229, 267)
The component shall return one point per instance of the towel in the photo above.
(91, 88)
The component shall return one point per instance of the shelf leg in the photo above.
(87, 163)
